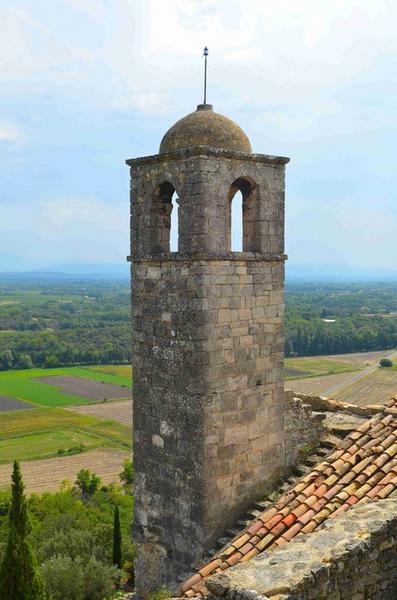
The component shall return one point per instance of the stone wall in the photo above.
(303, 428)
(208, 402)
(353, 557)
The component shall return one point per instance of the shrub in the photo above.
(64, 578)
(385, 363)
(77, 579)
(87, 482)
(127, 474)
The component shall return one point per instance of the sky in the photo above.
(86, 84)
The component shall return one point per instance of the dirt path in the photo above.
(48, 474)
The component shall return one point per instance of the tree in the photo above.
(25, 362)
(6, 360)
(385, 363)
(117, 538)
(87, 482)
(127, 474)
(51, 361)
(19, 575)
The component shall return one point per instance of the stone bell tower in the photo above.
(207, 341)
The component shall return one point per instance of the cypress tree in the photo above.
(19, 575)
(117, 538)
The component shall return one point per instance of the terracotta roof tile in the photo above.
(363, 469)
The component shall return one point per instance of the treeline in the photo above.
(77, 323)
(64, 324)
(340, 319)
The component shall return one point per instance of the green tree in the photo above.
(127, 474)
(117, 538)
(19, 575)
(25, 362)
(51, 361)
(6, 360)
(88, 483)
(385, 363)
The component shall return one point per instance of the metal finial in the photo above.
(205, 54)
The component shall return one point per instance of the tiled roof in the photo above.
(362, 469)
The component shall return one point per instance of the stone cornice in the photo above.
(208, 257)
(206, 152)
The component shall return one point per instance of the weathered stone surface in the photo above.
(208, 352)
(303, 428)
(352, 556)
(204, 127)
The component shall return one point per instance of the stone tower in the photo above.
(208, 341)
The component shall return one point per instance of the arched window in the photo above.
(237, 223)
(174, 226)
(244, 218)
(164, 220)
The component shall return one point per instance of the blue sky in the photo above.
(85, 84)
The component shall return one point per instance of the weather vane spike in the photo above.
(205, 54)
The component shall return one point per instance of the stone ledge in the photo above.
(320, 403)
(351, 557)
(206, 151)
(208, 257)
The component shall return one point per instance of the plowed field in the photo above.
(118, 410)
(48, 474)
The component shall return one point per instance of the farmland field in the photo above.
(374, 388)
(317, 365)
(30, 385)
(317, 386)
(7, 403)
(118, 410)
(121, 370)
(49, 474)
(367, 384)
(43, 432)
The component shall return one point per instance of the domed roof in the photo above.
(204, 127)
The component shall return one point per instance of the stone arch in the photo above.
(249, 214)
(163, 219)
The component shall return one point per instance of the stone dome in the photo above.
(204, 127)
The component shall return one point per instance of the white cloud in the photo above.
(147, 53)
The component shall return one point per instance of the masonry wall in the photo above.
(303, 428)
(208, 351)
(354, 557)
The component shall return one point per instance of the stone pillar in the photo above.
(207, 352)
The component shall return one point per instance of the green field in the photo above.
(43, 432)
(295, 368)
(24, 384)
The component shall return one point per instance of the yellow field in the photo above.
(122, 370)
(48, 474)
(374, 388)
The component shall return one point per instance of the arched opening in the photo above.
(164, 220)
(243, 201)
(174, 225)
(236, 233)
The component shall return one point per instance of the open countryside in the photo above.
(52, 443)
(69, 411)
